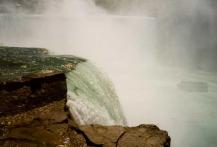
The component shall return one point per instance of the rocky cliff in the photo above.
(33, 108)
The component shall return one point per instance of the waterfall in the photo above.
(92, 98)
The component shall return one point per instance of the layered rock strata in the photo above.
(33, 110)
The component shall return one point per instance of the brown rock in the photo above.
(37, 134)
(33, 111)
(102, 135)
(118, 136)
(144, 136)
(21, 143)
(19, 97)
(52, 135)
(77, 140)
(51, 113)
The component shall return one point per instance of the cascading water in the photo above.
(92, 98)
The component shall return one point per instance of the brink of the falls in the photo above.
(92, 98)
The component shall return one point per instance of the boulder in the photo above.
(119, 136)
(144, 136)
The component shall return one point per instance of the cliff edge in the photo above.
(33, 111)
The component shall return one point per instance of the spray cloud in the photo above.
(127, 38)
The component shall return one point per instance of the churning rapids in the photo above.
(92, 98)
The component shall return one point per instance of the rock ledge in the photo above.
(33, 110)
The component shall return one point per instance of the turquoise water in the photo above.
(92, 98)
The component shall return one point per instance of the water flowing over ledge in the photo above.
(33, 104)
(92, 98)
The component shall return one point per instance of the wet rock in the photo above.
(18, 97)
(31, 78)
(22, 64)
(20, 143)
(38, 134)
(144, 136)
(33, 110)
(118, 136)
(102, 135)
(77, 139)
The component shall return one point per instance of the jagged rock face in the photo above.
(33, 97)
(42, 126)
(33, 110)
(30, 78)
(18, 97)
(34, 113)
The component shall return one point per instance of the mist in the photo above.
(146, 48)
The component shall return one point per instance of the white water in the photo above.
(92, 98)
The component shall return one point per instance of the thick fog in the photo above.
(184, 31)
(147, 47)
